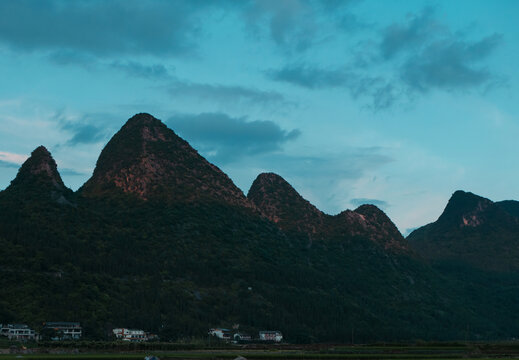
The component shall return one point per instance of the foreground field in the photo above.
(287, 352)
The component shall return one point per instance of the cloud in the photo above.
(136, 69)
(399, 37)
(72, 57)
(377, 90)
(294, 25)
(131, 68)
(11, 160)
(71, 172)
(227, 94)
(102, 28)
(85, 129)
(412, 57)
(428, 55)
(350, 164)
(7, 164)
(225, 139)
(450, 65)
(312, 77)
(325, 179)
(362, 201)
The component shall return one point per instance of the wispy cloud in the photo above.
(411, 58)
(379, 93)
(429, 55)
(296, 25)
(90, 128)
(71, 172)
(136, 69)
(399, 37)
(227, 94)
(326, 179)
(225, 139)
(8, 159)
(451, 65)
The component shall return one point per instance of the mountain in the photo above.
(283, 205)
(472, 230)
(510, 206)
(160, 239)
(147, 159)
(38, 176)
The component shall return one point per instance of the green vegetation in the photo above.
(193, 256)
(321, 352)
(180, 269)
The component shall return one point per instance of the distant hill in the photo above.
(160, 239)
(472, 230)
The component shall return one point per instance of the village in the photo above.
(72, 331)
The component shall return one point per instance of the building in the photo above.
(4, 329)
(241, 337)
(19, 332)
(64, 330)
(130, 335)
(274, 336)
(224, 334)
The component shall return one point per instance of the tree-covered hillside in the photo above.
(178, 264)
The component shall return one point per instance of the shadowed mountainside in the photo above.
(147, 159)
(161, 239)
(283, 205)
(474, 231)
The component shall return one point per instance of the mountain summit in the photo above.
(147, 159)
(472, 230)
(40, 171)
(465, 209)
(282, 204)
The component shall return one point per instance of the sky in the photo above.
(394, 103)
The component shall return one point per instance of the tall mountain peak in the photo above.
(39, 169)
(465, 209)
(147, 159)
(282, 204)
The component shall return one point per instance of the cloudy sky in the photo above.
(396, 103)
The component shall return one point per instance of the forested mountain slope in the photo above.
(161, 239)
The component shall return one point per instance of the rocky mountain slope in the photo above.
(148, 160)
(283, 205)
(161, 239)
(472, 230)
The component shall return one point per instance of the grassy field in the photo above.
(288, 352)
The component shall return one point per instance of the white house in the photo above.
(224, 334)
(268, 335)
(242, 337)
(130, 334)
(20, 332)
(65, 330)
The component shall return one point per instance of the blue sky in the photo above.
(396, 103)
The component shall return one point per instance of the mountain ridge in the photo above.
(282, 204)
(160, 256)
(474, 230)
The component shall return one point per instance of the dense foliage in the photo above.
(178, 266)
